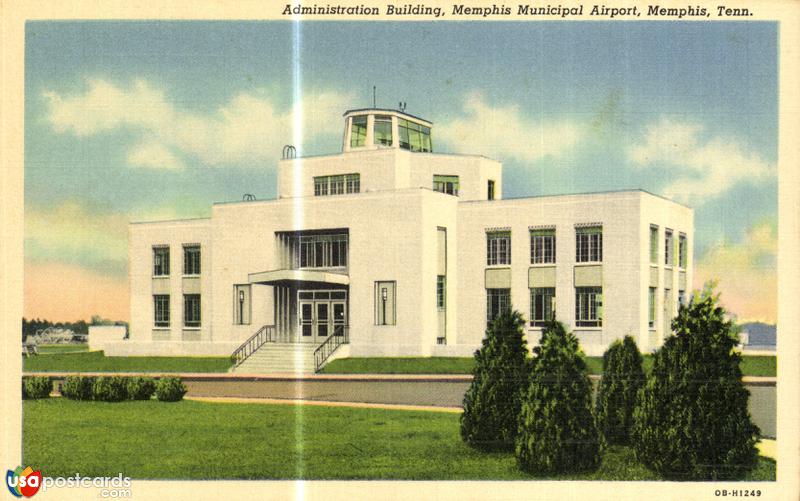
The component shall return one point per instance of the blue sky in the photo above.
(139, 120)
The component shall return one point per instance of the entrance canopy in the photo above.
(285, 277)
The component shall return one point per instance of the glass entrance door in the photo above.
(321, 314)
(323, 320)
(306, 317)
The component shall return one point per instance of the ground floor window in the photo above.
(497, 301)
(543, 305)
(588, 306)
(651, 307)
(161, 310)
(191, 310)
(385, 303)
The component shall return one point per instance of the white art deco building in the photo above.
(390, 249)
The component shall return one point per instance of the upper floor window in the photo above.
(490, 190)
(319, 251)
(543, 246)
(498, 248)
(654, 244)
(589, 244)
(161, 261)
(358, 131)
(446, 184)
(682, 251)
(413, 136)
(191, 259)
(669, 248)
(337, 185)
(383, 130)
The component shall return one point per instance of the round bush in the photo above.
(557, 431)
(616, 397)
(170, 389)
(36, 387)
(140, 388)
(492, 402)
(691, 420)
(110, 389)
(77, 387)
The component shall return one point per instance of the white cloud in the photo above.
(704, 168)
(504, 132)
(249, 129)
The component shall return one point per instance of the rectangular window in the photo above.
(589, 244)
(588, 306)
(543, 246)
(413, 136)
(191, 259)
(161, 261)
(191, 310)
(318, 251)
(498, 248)
(497, 301)
(682, 250)
(441, 292)
(353, 183)
(543, 305)
(654, 244)
(385, 303)
(490, 190)
(337, 185)
(358, 131)
(668, 248)
(651, 307)
(383, 130)
(682, 297)
(446, 184)
(161, 310)
(321, 186)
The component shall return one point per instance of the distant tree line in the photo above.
(34, 325)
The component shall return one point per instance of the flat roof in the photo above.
(585, 193)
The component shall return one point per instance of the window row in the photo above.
(588, 246)
(588, 305)
(669, 247)
(413, 136)
(651, 306)
(191, 260)
(319, 251)
(337, 185)
(191, 310)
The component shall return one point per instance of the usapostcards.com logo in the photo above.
(23, 482)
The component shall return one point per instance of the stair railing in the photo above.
(340, 336)
(263, 335)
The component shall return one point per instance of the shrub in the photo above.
(170, 389)
(36, 387)
(500, 376)
(140, 388)
(691, 421)
(110, 389)
(77, 387)
(557, 431)
(616, 397)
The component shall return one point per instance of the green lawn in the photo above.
(96, 361)
(62, 348)
(751, 365)
(198, 440)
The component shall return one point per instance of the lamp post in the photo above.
(384, 295)
(241, 307)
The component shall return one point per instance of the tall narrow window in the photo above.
(191, 259)
(542, 305)
(543, 246)
(441, 292)
(497, 301)
(653, 244)
(383, 130)
(358, 131)
(669, 248)
(490, 190)
(161, 310)
(498, 248)
(161, 261)
(651, 307)
(191, 310)
(588, 306)
(682, 250)
(589, 244)
(446, 184)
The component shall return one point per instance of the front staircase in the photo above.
(294, 358)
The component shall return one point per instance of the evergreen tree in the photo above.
(691, 421)
(500, 376)
(557, 431)
(616, 397)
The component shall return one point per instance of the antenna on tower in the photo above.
(374, 99)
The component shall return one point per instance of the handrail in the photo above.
(263, 335)
(340, 336)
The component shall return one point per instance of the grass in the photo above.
(61, 348)
(751, 365)
(199, 440)
(96, 361)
